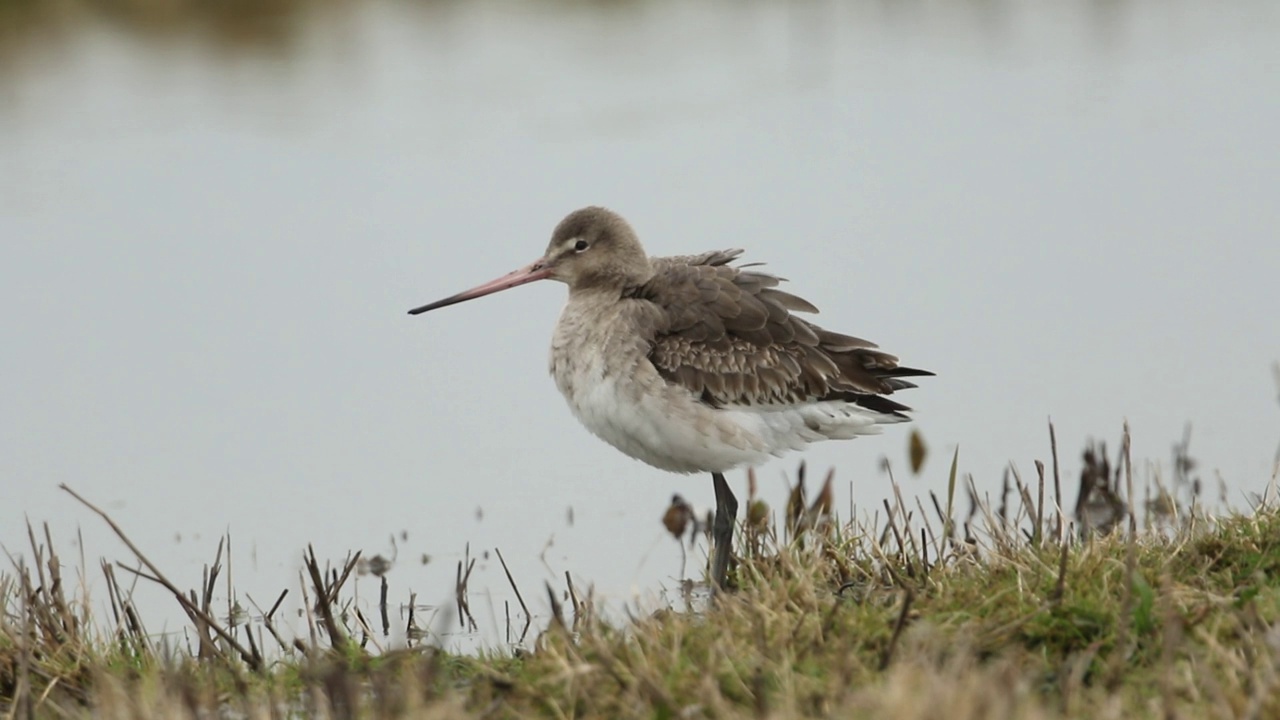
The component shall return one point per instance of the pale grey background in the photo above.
(206, 255)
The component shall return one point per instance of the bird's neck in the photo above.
(612, 282)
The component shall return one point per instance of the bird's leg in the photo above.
(722, 530)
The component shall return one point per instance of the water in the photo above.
(213, 226)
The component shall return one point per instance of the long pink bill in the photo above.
(534, 271)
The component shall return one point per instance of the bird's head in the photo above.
(592, 248)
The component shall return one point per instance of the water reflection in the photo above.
(238, 26)
(282, 29)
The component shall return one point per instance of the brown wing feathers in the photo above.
(731, 339)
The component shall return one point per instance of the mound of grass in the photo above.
(1020, 615)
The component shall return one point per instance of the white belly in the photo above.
(648, 421)
(615, 392)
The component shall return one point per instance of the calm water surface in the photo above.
(211, 229)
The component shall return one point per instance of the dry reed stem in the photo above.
(161, 579)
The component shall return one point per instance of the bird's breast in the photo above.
(592, 348)
(599, 359)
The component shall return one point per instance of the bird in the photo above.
(695, 364)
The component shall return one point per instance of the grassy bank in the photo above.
(1010, 611)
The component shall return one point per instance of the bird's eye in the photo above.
(580, 245)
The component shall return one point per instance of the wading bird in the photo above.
(692, 365)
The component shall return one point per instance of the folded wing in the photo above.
(731, 337)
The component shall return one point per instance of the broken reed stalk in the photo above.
(366, 632)
(338, 580)
(528, 618)
(884, 534)
(1039, 532)
(877, 549)
(461, 582)
(37, 554)
(980, 507)
(39, 614)
(906, 518)
(1057, 481)
(114, 602)
(409, 627)
(69, 622)
(573, 596)
(208, 648)
(971, 492)
(1028, 505)
(457, 592)
(136, 627)
(208, 579)
(382, 607)
(134, 623)
(311, 619)
(337, 639)
(931, 538)
(162, 580)
(893, 527)
(512, 581)
(268, 617)
(946, 524)
(557, 610)
(253, 647)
